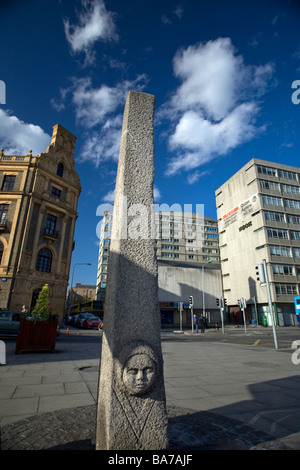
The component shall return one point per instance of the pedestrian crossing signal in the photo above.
(260, 273)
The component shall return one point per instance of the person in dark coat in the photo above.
(202, 323)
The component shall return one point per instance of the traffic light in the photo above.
(225, 302)
(218, 302)
(191, 301)
(260, 273)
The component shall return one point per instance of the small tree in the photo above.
(41, 311)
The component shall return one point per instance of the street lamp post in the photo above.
(203, 294)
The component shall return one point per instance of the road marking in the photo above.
(256, 342)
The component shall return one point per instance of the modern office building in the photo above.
(105, 237)
(38, 211)
(188, 264)
(258, 212)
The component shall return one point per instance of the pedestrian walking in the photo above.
(195, 322)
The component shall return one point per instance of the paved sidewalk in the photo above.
(219, 396)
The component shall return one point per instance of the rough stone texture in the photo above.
(74, 429)
(131, 399)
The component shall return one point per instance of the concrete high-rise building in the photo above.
(258, 212)
(105, 237)
(38, 211)
(187, 250)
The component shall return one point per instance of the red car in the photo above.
(90, 321)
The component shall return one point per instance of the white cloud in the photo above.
(95, 23)
(100, 146)
(109, 197)
(18, 137)
(216, 106)
(99, 111)
(206, 140)
(94, 106)
(178, 11)
(195, 176)
(156, 193)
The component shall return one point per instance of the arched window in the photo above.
(60, 170)
(44, 260)
(1, 251)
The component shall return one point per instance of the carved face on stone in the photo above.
(139, 374)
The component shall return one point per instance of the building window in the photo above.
(287, 188)
(3, 213)
(1, 251)
(283, 289)
(280, 251)
(295, 235)
(44, 260)
(60, 170)
(266, 170)
(269, 185)
(286, 270)
(56, 192)
(274, 216)
(292, 204)
(277, 233)
(50, 225)
(287, 175)
(8, 183)
(296, 252)
(293, 219)
(272, 200)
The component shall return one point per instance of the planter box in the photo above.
(39, 336)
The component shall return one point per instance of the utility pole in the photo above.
(180, 310)
(191, 305)
(263, 277)
(270, 303)
(243, 305)
(221, 302)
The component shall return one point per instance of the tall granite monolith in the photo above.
(131, 413)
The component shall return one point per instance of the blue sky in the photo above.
(221, 72)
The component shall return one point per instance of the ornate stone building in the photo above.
(38, 211)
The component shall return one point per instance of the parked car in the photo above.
(68, 320)
(9, 323)
(88, 320)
